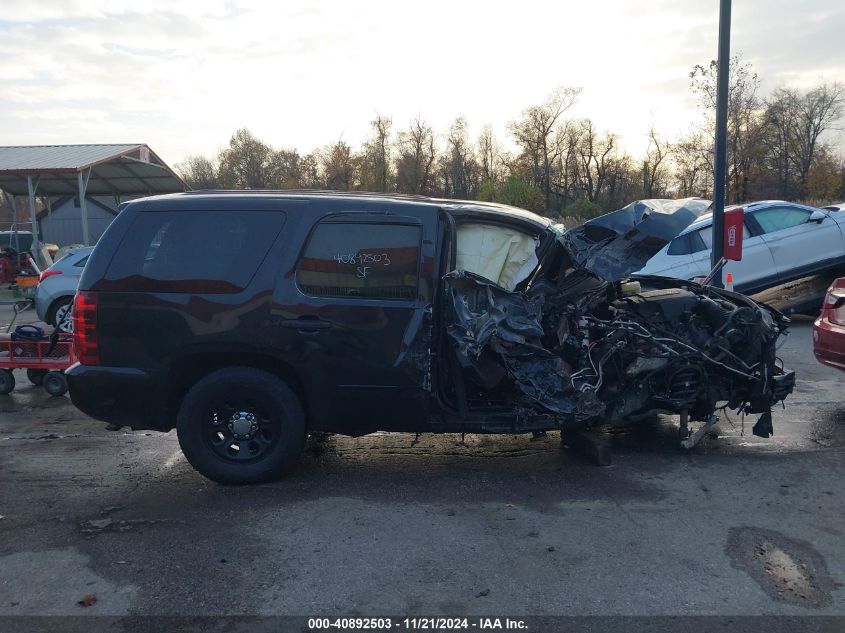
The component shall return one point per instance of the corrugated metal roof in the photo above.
(65, 157)
(114, 169)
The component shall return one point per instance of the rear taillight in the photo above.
(834, 304)
(85, 328)
(48, 273)
(834, 298)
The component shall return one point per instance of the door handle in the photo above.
(310, 326)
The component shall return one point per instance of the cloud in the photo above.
(183, 76)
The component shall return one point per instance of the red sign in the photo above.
(732, 243)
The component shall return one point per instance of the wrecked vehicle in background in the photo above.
(590, 345)
(248, 319)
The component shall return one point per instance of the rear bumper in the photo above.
(42, 304)
(121, 396)
(829, 343)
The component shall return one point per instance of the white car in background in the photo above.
(782, 241)
(835, 207)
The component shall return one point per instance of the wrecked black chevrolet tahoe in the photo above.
(247, 320)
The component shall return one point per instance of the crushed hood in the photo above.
(619, 243)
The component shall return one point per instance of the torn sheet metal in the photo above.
(620, 350)
(619, 243)
(509, 324)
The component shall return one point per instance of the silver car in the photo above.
(57, 285)
(783, 241)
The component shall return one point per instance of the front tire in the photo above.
(241, 425)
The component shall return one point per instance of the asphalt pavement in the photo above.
(436, 525)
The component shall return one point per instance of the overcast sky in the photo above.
(182, 76)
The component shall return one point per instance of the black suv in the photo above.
(247, 320)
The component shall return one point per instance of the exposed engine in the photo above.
(590, 351)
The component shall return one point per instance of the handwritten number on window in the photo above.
(363, 259)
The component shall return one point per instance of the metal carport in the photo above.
(80, 170)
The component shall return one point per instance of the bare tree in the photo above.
(415, 162)
(376, 170)
(459, 167)
(655, 181)
(816, 111)
(693, 165)
(595, 152)
(743, 119)
(199, 172)
(534, 133)
(490, 156)
(795, 122)
(779, 123)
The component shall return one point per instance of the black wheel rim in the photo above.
(240, 431)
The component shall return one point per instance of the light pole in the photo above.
(721, 159)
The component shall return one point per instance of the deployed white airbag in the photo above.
(497, 253)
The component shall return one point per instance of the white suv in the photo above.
(782, 241)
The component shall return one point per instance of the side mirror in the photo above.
(817, 216)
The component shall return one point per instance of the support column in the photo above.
(82, 182)
(36, 244)
(720, 162)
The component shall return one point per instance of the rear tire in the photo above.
(7, 382)
(55, 383)
(241, 425)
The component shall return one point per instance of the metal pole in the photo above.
(36, 247)
(721, 160)
(83, 210)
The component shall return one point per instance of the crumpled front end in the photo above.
(591, 351)
(620, 243)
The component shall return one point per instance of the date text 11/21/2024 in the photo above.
(418, 624)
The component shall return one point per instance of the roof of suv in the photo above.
(233, 196)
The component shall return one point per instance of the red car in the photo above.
(829, 328)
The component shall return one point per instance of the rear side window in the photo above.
(707, 235)
(371, 261)
(687, 244)
(679, 246)
(192, 251)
